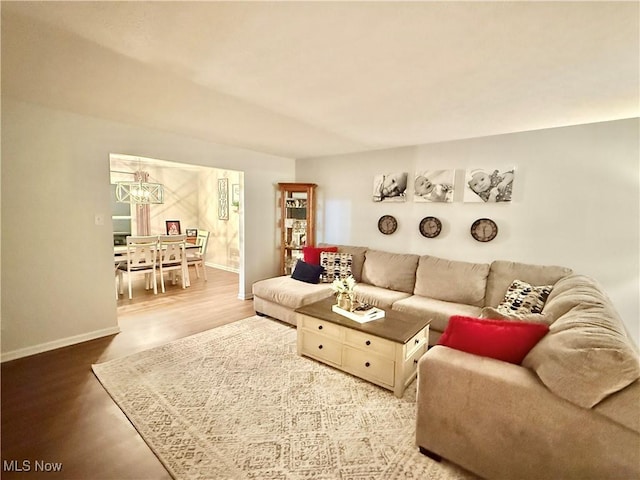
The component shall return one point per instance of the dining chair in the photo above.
(117, 261)
(173, 258)
(197, 258)
(141, 258)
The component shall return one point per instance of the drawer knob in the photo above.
(368, 342)
(320, 347)
(417, 341)
(367, 364)
(415, 362)
(319, 327)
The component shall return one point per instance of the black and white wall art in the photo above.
(488, 185)
(434, 186)
(390, 187)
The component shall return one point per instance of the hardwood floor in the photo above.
(54, 410)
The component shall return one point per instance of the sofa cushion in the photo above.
(569, 292)
(523, 298)
(438, 311)
(335, 265)
(377, 296)
(503, 273)
(306, 272)
(499, 339)
(312, 254)
(396, 271)
(451, 281)
(587, 354)
(290, 293)
(622, 407)
(495, 314)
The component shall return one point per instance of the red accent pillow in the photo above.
(312, 254)
(500, 339)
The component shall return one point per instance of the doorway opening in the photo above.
(196, 197)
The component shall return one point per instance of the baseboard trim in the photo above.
(246, 296)
(222, 267)
(63, 342)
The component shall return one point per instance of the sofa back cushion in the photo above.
(451, 281)
(357, 259)
(395, 271)
(568, 292)
(587, 354)
(503, 273)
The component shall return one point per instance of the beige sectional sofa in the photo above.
(570, 411)
(420, 285)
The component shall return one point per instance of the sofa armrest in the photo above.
(497, 419)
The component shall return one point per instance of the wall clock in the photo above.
(484, 230)
(387, 224)
(430, 227)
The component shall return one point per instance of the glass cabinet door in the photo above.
(297, 222)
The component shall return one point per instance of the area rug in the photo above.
(237, 402)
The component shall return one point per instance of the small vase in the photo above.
(345, 301)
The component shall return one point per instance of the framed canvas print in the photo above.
(235, 195)
(192, 232)
(173, 227)
(488, 185)
(390, 187)
(434, 186)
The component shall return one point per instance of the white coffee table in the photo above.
(384, 352)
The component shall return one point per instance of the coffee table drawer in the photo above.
(320, 326)
(368, 342)
(418, 342)
(369, 366)
(411, 364)
(321, 347)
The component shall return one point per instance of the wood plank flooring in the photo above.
(55, 410)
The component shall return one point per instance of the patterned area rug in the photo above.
(237, 402)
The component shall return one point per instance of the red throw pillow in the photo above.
(499, 339)
(312, 254)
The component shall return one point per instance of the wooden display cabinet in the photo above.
(297, 222)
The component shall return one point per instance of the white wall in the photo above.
(55, 179)
(576, 203)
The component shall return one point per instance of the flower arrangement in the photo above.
(343, 285)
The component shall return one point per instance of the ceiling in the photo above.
(310, 79)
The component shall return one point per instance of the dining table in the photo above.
(121, 250)
(120, 255)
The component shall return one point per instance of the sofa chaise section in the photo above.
(279, 297)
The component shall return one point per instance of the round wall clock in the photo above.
(387, 224)
(430, 227)
(484, 230)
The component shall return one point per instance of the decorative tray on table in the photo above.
(362, 313)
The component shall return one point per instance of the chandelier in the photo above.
(140, 192)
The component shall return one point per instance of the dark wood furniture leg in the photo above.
(430, 454)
